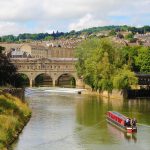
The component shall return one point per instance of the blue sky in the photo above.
(21, 16)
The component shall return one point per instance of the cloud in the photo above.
(11, 28)
(70, 14)
(87, 22)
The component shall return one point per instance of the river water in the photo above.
(65, 120)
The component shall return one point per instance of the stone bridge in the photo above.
(54, 67)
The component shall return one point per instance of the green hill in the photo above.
(73, 33)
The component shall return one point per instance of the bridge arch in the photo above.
(21, 80)
(66, 80)
(43, 79)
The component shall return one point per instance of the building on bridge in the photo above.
(19, 54)
(52, 49)
(35, 50)
(40, 51)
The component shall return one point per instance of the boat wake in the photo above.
(144, 125)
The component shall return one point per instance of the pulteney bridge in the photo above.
(54, 68)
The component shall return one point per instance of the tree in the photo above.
(7, 69)
(124, 78)
(143, 59)
(129, 36)
(106, 70)
(48, 38)
(99, 61)
(112, 33)
(129, 54)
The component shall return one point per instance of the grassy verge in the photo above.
(14, 114)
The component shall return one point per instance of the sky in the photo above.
(36, 16)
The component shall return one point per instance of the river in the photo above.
(65, 120)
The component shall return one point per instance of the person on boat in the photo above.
(127, 122)
(134, 122)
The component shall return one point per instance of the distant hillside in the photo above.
(105, 28)
(72, 34)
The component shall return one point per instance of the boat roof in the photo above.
(119, 115)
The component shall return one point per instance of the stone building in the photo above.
(35, 50)
(9, 47)
(19, 54)
(58, 52)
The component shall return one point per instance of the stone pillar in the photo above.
(54, 82)
(80, 83)
(31, 82)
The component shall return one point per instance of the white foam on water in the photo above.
(30, 91)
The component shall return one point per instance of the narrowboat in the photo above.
(120, 121)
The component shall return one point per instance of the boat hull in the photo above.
(120, 126)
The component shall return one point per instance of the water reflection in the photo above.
(90, 111)
(121, 135)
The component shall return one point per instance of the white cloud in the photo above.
(70, 13)
(86, 22)
(11, 28)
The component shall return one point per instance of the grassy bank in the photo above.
(14, 114)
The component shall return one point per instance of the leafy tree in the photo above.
(124, 78)
(129, 54)
(99, 61)
(47, 38)
(7, 69)
(106, 70)
(112, 33)
(143, 59)
(129, 36)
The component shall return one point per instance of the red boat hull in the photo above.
(131, 129)
(118, 120)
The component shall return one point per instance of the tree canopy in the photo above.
(100, 64)
(142, 60)
(7, 69)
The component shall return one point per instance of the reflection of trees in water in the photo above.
(139, 108)
(90, 111)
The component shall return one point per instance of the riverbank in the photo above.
(14, 115)
(17, 92)
(114, 95)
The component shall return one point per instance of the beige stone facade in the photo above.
(10, 46)
(35, 50)
(39, 50)
(59, 52)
